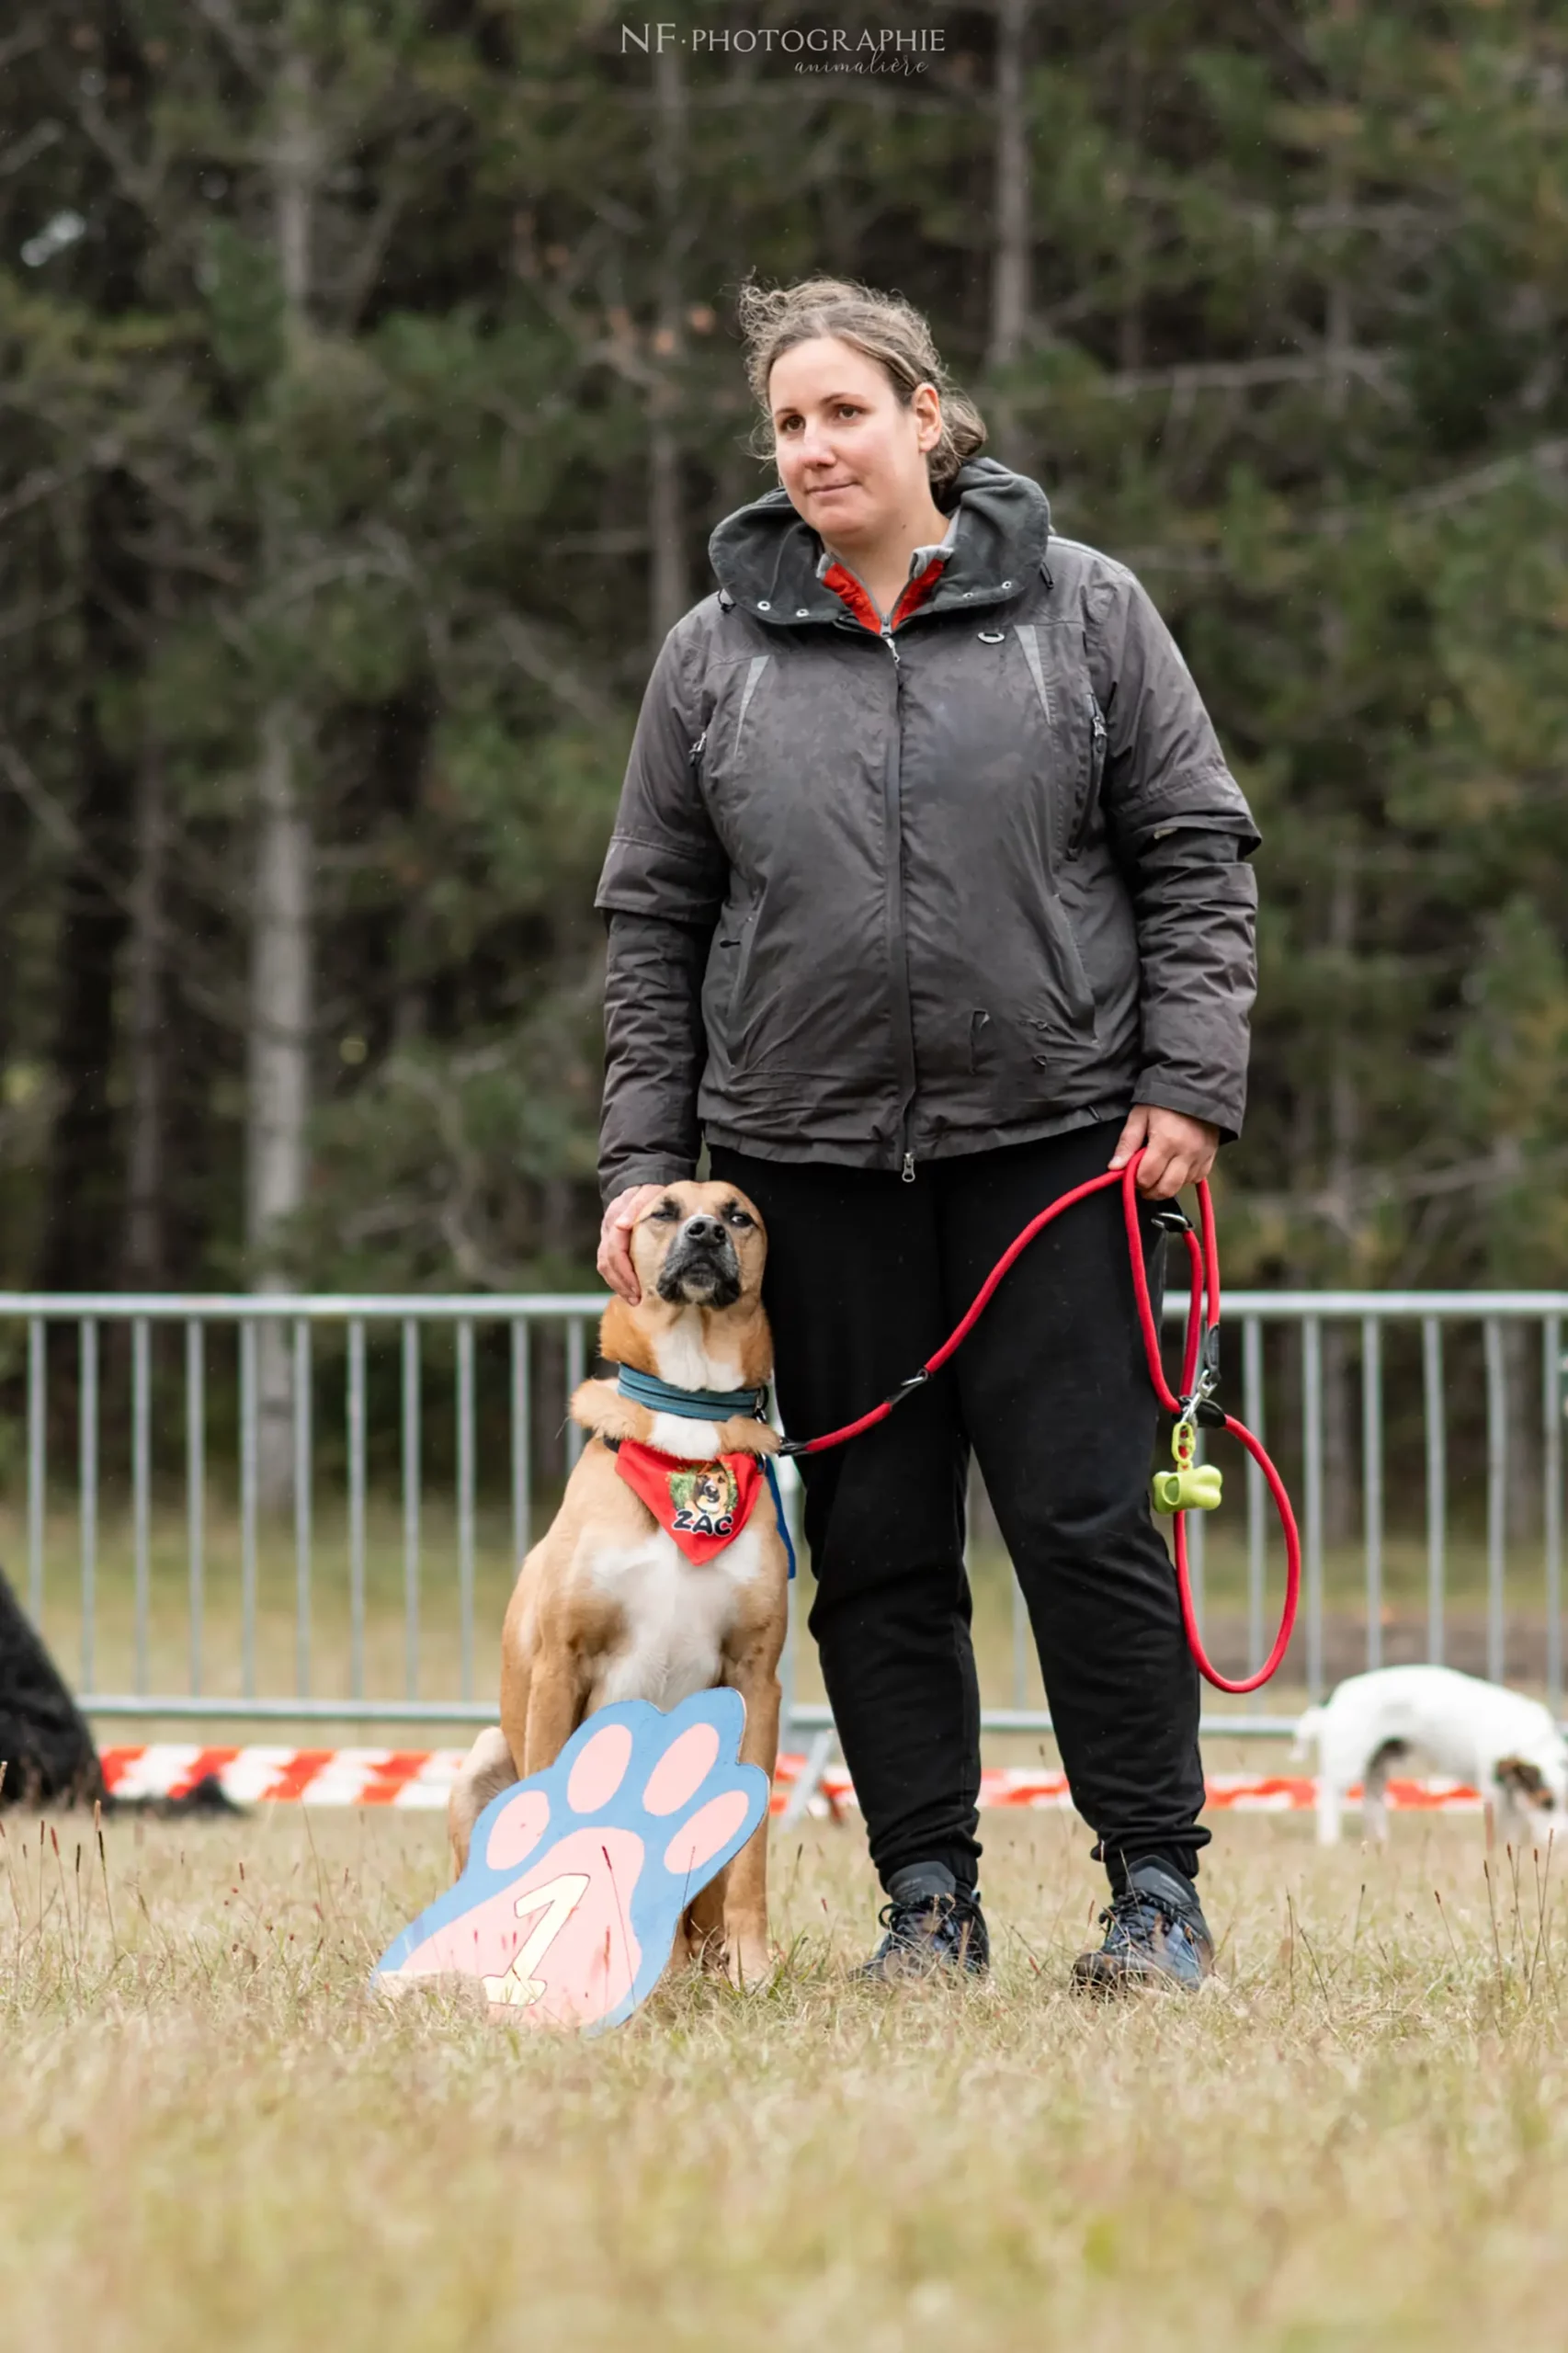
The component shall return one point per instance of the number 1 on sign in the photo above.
(554, 1902)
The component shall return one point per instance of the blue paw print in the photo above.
(577, 1877)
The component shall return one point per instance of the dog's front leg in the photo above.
(555, 1709)
(1375, 1801)
(746, 1956)
(1330, 1800)
(703, 1922)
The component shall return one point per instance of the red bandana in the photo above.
(704, 1506)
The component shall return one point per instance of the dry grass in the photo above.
(215, 2138)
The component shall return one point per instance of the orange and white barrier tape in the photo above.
(417, 1779)
(1226, 1793)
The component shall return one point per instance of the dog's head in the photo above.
(1537, 1781)
(700, 1245)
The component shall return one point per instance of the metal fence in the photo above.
(1437, 1416)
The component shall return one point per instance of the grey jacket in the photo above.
(879, 897)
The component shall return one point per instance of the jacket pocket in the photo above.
(1072, 1010)
(1044, 1021)
(1089, 797)
(742, 944)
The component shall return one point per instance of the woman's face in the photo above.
(850, 455)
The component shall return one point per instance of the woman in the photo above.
(927, 899)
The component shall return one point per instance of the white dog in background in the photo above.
(1507, 1747)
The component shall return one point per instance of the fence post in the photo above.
(465, 1499)
(1257, 1494)
(1311, 1449)
(1372, 1480)
(1020, 1630)
(1552, 1368)
(576, 1371)
(195, 1488)
(522, 1443)
(411, 1501)
(1436, 1481)
(38, 1462)
(303, 1481)
(356, 1507)
(248, 1484)
(141, 1469)
(88, 1456)
(1497, 1494)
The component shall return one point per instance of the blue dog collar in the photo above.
(691, 1405)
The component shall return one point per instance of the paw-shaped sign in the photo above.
(577, 1877)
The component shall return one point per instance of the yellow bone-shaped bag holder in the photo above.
(1191, 1486)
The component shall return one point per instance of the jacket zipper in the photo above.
(1091, 790)
(903, 1029)
(898, 953)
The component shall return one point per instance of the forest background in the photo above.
(368, 388)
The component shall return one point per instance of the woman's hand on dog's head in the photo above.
(615, 1240)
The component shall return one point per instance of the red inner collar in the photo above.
(913, 594)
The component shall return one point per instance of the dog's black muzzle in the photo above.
(702, 1270)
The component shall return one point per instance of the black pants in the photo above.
(865, 1276)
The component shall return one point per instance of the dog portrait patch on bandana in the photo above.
(706, 1498)
(704, 1506)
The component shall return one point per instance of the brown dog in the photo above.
(607, 1605)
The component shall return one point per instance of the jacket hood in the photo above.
(765, 557)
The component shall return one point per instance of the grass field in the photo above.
(1356, 2137)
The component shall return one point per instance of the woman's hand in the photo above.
(615, 1253)
(1177, 1151)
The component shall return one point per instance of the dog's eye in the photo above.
(664, 1213)
(735, 1215)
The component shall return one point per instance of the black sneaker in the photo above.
(932, 1923)
(1155, 1935)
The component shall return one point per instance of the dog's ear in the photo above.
(622, 1339)
(1525, 1779)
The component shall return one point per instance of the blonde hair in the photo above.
(883, 326)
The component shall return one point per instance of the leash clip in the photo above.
(1200, 1408)
(1198, 1405)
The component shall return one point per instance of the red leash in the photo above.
(1199, 1375)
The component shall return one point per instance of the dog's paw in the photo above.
(577, 1877)
(743, 1434)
